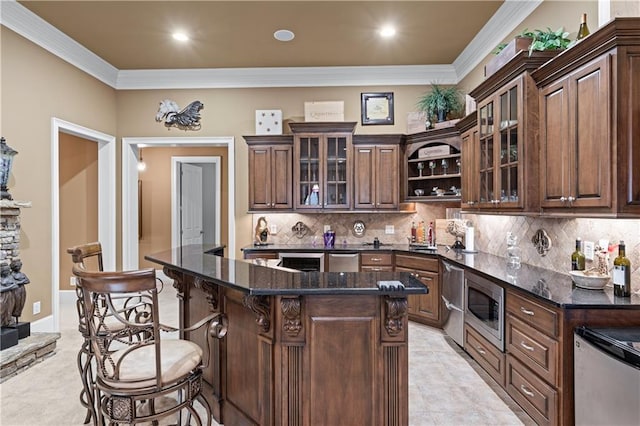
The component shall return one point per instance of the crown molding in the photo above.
(21, 20)
(24, 22)
(285, 77)
(506, 19)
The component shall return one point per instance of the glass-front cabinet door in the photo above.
(486, 193)
(509, 147)
(309, 191)
(322, 170)
(336, 172)
(500, 148)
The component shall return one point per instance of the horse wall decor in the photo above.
(187, 119)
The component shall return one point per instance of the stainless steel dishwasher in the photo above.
(606, 376)
(453, 297)
(344, 262)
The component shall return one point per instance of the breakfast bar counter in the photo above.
(301, 348)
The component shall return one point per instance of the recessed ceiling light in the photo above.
(387, 31)
(284, 35)
(180, 36)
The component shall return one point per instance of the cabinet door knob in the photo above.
(563, 199)
(571, 199)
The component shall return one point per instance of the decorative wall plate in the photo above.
(359, 228)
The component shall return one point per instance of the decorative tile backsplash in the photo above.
(490, 233)
(342, 224)
(491, 237)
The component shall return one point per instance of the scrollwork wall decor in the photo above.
(185, 119)
(541, 241)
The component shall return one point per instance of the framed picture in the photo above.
(376, 108)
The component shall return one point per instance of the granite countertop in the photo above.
(544, 284)
(263, 280)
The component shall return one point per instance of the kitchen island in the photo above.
(301, 348)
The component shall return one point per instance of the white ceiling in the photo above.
(128, 44)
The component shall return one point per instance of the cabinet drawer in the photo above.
(375, 258)
(533, 313)
(537, 398)
(488, 356)
(381, 268)
(260, 254)
(536, 350)
(424, 263)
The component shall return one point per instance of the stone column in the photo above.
(12, 279)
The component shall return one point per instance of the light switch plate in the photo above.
(327, 228)
(273, 229)
(588, 247)
(388, 229)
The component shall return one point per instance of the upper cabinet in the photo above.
(468, 153)
(270, 172)
(433, 166)
(322, 165)
(590, 125)
(376, 171)
(506, 157)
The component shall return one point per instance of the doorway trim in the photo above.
(175, 205)
(106, 206)
(130, 154)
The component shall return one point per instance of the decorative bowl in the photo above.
(589, 281)
(440, 192)
(419, 192)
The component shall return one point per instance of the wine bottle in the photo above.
(577, 257)
(621, 273)
(583, 31)
(413, 232)
(430, 237)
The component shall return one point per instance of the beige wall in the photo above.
(231, 112)
(37, 86)
(156, 197)
(78, 198)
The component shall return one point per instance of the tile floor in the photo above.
(446, 387)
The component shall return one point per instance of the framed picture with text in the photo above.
(376, 108)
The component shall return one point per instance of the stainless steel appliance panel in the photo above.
(453, 298)
(484, 308)
(305, 262)
(606, 387)
(344, 262)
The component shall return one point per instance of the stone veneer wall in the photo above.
(10, 230)
(491, 232)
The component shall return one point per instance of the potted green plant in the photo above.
(550, 40)
(440, 101)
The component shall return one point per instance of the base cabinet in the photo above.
(538, 399)
(426, 308)
(486, 354)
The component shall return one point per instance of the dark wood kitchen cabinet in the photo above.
(425, 308)
(468, 153)
(590, 126)
(322, 165)
(507, 157)
(270, 172)
(376, 171)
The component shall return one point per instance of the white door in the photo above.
(191, 204)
